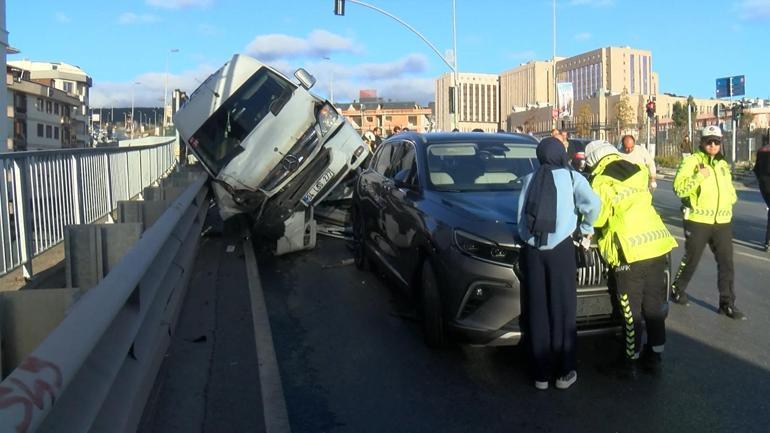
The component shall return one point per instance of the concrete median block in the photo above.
(167, 193)
(91, 250)
(142, 212)
(26, 318)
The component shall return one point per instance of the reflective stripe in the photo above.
(627, 192)
(647, 237)
(629, 328)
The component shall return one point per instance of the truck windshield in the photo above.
(218, 140)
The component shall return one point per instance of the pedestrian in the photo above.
(551, 198)
(686, 146)
(556, 133)
(704, 183)
(634, 242)
(519, 129)
(639, 155)
(377, 137)
(396, 130)
(762, 171)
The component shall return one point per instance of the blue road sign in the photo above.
(738, 85)
(723, 87)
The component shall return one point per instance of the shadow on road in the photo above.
(352, 361)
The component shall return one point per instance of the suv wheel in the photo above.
(432, 310)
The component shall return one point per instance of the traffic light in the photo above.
(339, 7)
(650, 109)
(737, 111)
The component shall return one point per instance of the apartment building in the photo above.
(478, 105)
(67, 78)
(40, 117)
(387, 115)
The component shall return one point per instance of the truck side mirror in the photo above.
(305, 79)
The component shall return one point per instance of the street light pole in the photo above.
(339, 9)
(331, 81)
(553, 73)
(132, 107)
(165, 84)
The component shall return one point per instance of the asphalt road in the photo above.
(352, 358)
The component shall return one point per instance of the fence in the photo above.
(43, 191)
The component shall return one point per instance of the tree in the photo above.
(624, 110)
(679, 114)
(583, 121)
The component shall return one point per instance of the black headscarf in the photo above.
(540, 207)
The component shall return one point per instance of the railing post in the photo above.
(77, 190)
(22, 198)
(141, 177)
(108, 184)
(128, 175)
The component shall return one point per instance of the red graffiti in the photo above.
(34, 397)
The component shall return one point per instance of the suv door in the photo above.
(370, 200)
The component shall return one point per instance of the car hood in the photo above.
(487, 206)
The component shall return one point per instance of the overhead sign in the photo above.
(731, 86)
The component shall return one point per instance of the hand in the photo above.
(653, 185)
(705, 172)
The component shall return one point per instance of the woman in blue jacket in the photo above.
(551, 199)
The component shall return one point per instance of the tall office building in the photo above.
(478, 103)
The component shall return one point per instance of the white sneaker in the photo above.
(567, 380)
(541, 385)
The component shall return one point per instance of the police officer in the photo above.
(634, 242)
(704, 183)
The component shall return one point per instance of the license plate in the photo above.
(318, 186)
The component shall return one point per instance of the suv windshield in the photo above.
(218, 140)
(479, 166)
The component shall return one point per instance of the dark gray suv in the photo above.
(437, 212)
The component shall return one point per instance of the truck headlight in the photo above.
(327, 118)
(484, 249)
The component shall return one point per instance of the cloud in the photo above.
(583, 36)
(178, 4)
(524, 56)
(132, 18)
(411, 64)
(593, 3)
(62, 18)
(756, 10)
(318, 44)
(149, 93)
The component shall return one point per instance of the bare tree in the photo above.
(583, 121)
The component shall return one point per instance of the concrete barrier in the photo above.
(91, 250)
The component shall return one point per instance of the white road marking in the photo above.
(273, 402)
(740, 253)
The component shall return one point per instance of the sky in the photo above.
(126, 45)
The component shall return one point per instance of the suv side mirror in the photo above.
(305, 79)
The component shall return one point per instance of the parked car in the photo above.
(273, 149)
(437, 212)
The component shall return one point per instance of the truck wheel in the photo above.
(359, 244)
(432, 310)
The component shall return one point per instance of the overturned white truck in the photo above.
(273, 149)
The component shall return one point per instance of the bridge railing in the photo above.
(43, 191)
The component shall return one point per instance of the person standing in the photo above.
(639, 155)
(377, 138)
(686, 146)
(704, 183)
(762, 171)
(550, 201)
(634, 242)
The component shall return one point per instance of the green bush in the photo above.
(670, 161)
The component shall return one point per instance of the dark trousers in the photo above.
(764, 189)
(551, 302)
(641, 291)
(719, 238)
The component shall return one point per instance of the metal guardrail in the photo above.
(43, 191)
(94, 371)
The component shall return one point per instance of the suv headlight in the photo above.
(327, 118)
(484, 249)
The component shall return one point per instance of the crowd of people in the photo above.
(560, 211)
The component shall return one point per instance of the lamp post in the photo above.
(339, 9)
(331, 81)
(165, 84)
(133, 86)
(553, 73)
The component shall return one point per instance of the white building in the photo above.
(69, 79)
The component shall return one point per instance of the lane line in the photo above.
(273, 401)
(740, 253)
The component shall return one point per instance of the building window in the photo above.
(645, 89)
(39, 104)
(633, 74)
(56, 132)
(388, 118)
(56, 108)
(68, 87)
(39, 129)
(48, 131)
(412, 120)
(48, 107)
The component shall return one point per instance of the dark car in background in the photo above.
(437, 213)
